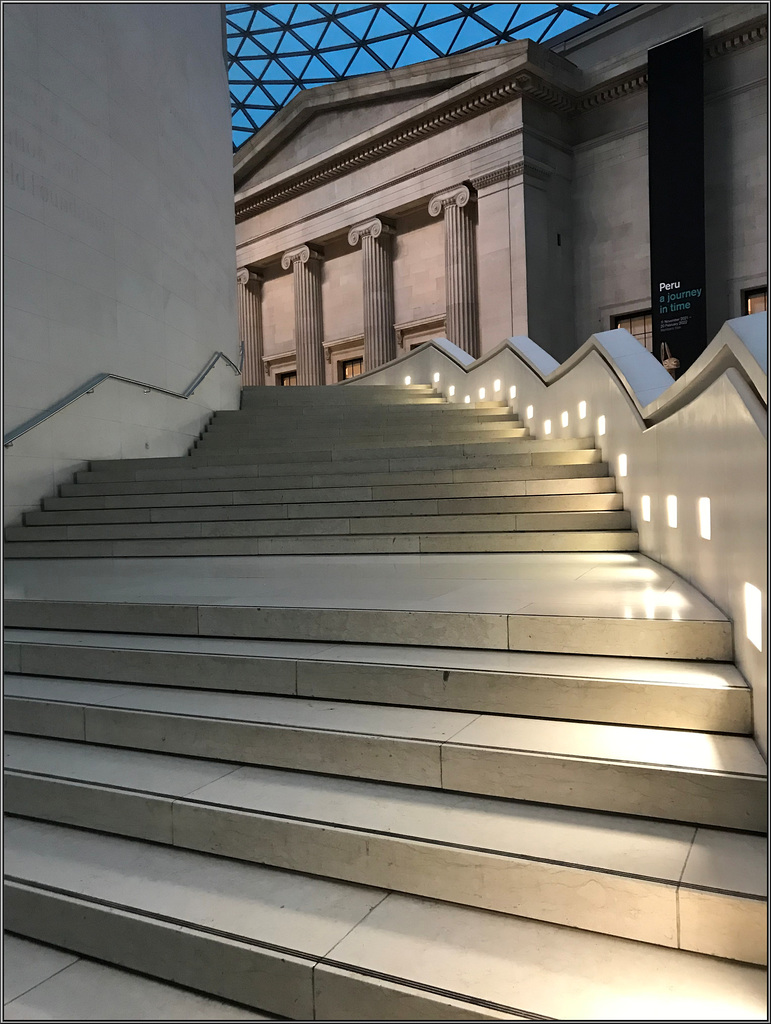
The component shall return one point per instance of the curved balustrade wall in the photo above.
(702, 437)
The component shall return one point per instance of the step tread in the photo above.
(599, 743)
(634, 847)
(706, 675)
(477, 955)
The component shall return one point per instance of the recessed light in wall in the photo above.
(753, 614)
(672, 510)
(529, 412)
(601, 426)
(451, 390)
(705, 523)
(582, 410)
(408, 380)
(481, 394)
(497, 384)
(627, 613)
(622, 465)
(513, 391)
(565, 418)
(646, 508)
(467, 398)
(547, 426)
(436, 378)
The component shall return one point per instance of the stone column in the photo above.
(459, 267)
(250, 325)
(308, 321)
(378, 280)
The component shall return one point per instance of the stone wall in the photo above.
(118, 230)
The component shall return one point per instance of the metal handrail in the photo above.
(94, 382)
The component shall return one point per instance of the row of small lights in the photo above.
(752, 596)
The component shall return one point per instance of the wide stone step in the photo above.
(329, 544)
(311, 948)
(519, 452)
(296, 526)
(663, 883)
(303, 509)
(584, 486)
(251, 441)
(250, 477)
(44, 983)
(710, 697)
(668, 774)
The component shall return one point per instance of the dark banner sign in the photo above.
(676, 195)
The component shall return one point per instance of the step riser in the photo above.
(644, 638)
(536, 696)
(320, 509)
(193, 467)
(276, 981)
(585, 487)
(386, 544)
(633, 907)
(249, 478)
(248, 444)
(722, 801)
(271, 526)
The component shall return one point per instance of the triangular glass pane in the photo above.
(240, 92)
(591, 8)
(383, 25)
(356, 22)
(434, 12)
(240, 120)
(334, 36)
(309, 34)
(497, 15)
(471, 34)
(441, 36)
(566, 20)
(363, 64)
(316, 70)
(295, 65)
(388, 49)
(282, 12)
(250, 69)
(414, 52)
(279, 93)
(276, 74)
(529, 13)
(410, 12)
(242, 19)
(339, 59)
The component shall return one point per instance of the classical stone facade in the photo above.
(495, 193)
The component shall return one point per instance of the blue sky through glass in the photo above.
(275, 50)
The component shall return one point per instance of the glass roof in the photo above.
(275, 50)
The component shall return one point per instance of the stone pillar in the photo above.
(308, 321)
(378, 280)
(250, 325)
(460, 267)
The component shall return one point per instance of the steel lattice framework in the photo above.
(275, 50)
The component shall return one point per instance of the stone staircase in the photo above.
(364, 785)
(420, 476)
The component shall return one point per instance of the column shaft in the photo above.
(378, 291)
(250, 326)
(460, 268)
(308, 322)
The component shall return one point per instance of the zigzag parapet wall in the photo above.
(690, 456)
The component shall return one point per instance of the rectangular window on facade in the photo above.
(288, 379)
(639, 324)
(756, 300)
(348, 368)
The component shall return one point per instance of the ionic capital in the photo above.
(245, 275)
(373, 227)
(302, 254)
(460, 195)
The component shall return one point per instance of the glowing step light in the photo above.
(408, 380)
(753, 614)
(565, 419)
(436, 378)
(601, 426)
(622, 466)
(482, 393)
(497, 384)
(467, 399)
(451, 390)
(513, 391)
(705, 521)
(672, 510)
(582, 410)
(547, 426)
(646, 508)
(529, 412)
